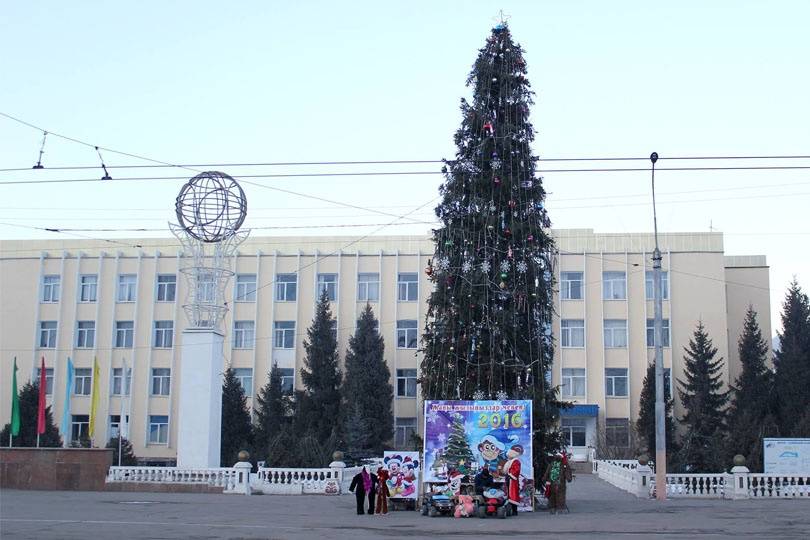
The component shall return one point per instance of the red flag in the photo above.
(41, 409)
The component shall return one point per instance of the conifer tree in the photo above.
(128, 457)
(645, 424)
(29, 406)
(792, 362)
(704, 401)
(358, 433)
(273, 410)
(237, 433)
(750, 413)
(318, 405)
(367, 390)
(458, 449)
(489, 316)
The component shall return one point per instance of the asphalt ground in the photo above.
(598, 510)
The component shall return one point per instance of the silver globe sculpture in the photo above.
(210, 210)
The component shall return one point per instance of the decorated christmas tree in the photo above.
(489, 316)
(457, 453)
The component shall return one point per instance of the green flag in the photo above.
(15, 403)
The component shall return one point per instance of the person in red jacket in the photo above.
(511, 471)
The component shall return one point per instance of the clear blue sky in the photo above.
(311, 81)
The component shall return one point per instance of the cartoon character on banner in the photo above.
(491, 449)
(409, 482)
(402, 475)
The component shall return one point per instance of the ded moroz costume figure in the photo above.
(511, 472)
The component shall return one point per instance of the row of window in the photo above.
(124, 332)
(616, 382)
(368, 287)
(158, 427)
(614, 285)
(617, 432)
(572, 333)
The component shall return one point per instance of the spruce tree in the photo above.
(29, 406)
(490, 313)
(318, 407)
(645, 424)
(367, 389)
(128, 457)
(237, 433)
(704, 401)
(792, 362)
(273, 409)
(750, 413)
(357, 432)
(458, 449)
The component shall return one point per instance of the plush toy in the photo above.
(465, 507)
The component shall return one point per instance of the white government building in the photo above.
(122, 303)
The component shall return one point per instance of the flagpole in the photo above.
(119, 444)
(37, 440)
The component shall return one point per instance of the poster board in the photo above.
(786, 456)
(403, 474)
(461, 437)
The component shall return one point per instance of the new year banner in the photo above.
(403, 474)
(461, 437)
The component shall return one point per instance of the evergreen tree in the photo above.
(792, 361)
(367, 389)
(750, 414)
(318, 407)
(457, 449)
(128, 457)
(490, 312)
(704, 403)
(357, 434)
(645, 424)
(29, 406)
(237, 433)
(273, 409)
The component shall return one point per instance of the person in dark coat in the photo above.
(483, 481)
(363, 484)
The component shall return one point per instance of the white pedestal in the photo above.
(200, 411)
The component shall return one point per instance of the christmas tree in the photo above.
(457, 451)
(489, 316)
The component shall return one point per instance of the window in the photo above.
(333, 327)
(88, 286)
(328, 283)
(572, 332)
(82, 381)
(614, 286)
(158, 429)
(573, 382)
(47, 334)
(286, 287)
(119, 386)
(406, 334)
(408, 285)
(164, 334)
(573, 432)
(86, 334)
(127, 288)
(571, 285)
(245, 288)
(617, 432)
(648, 285)
(50, 288)
(245, 378)
(79, 427)
(206, 288)
(651, 333)
(368, 287)
(287, 380)
(616, 382)
(166, 287)
(406, 383)
(244, 333)
(124, 332)
(405, 428)
(284, 334)
(115, 425)
(616, 333)
(48, 379)
(161, 381)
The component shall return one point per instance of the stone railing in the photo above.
(701, 486)
(625, 474)
(760, 485)
(231, 479)
(294, 481)
(623, 463)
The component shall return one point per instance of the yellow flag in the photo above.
(94, 398)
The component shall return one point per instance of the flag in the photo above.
(15, 403)
(66, 408)
(41, 407)
(94, 399)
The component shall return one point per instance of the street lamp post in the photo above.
(658, 332)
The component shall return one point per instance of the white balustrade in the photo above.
(293, 480)
(224, 477)
(761, 485)
(702, 486)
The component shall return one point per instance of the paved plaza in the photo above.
(598, 510)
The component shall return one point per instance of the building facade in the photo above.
(121, 303)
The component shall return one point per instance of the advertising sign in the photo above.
(403, 474)
(461, 437)
(787, 456)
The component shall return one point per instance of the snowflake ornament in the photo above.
(522, 267)
(505, 266)
(485, 266)
(539, 261)
(466, 266)
(433, 417)
(478, 395)
(502, 395)
(443, 264)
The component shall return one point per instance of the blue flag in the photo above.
(66, 409)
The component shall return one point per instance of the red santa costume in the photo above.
(511, 471)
